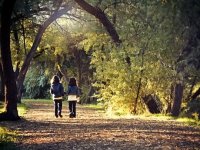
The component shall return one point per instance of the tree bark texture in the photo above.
(153, 104)
(2, 94)
(177, 99)
(11, 112)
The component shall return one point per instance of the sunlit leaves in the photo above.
(150, 40)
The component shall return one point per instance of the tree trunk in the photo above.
(17, 44)
(11, 112)
(197, 93)
(177, 99)
(79, 63)
(191, 89)
(2, 96)
(169, 101)
(137, 95)
(140, 80)
(90, 96)
(153, 103)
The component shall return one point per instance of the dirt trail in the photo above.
(91, 130)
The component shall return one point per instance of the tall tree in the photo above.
(11, 112)
(189, 15)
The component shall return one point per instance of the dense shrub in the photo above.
(36, 85)
(193, 109)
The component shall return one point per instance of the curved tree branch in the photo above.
(38, 37)
(101, 16)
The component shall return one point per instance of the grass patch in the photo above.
(93, 106)
(184, 120)
(1, 107)
(7, 139)
(43, 101)
(99, 108)
(189, 121)
(161, 117)
(22, 108)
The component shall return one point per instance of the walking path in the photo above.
(92, 130)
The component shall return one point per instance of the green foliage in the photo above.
(22, 109)
(152, 41)
(118, 80)
(161, 117)
(193, 109)
(1, 107)
(7, 138)
(153, 33)
(37, 83)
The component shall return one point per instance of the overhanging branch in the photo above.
(101, 16)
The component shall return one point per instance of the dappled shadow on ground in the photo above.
(92, 130)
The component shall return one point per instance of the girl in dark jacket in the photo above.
(73, 97)
(57, 92)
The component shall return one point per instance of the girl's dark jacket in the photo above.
(57, 90)
(73, 90)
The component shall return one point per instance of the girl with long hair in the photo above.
(73, 96)
(57, 92)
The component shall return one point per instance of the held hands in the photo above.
(78, 99)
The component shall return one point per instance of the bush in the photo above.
(193, 109)
(36, 85)
(7, 139)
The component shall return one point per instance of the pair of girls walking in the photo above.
(57, 92)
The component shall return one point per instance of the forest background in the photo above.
(124, 53)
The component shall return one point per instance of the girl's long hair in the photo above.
(55, 79)
(72, 82)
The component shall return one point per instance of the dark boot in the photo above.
(71, 115)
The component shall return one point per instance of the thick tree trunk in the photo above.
(153, 104)
(177, 99)
(11, 112)
(90, 96)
